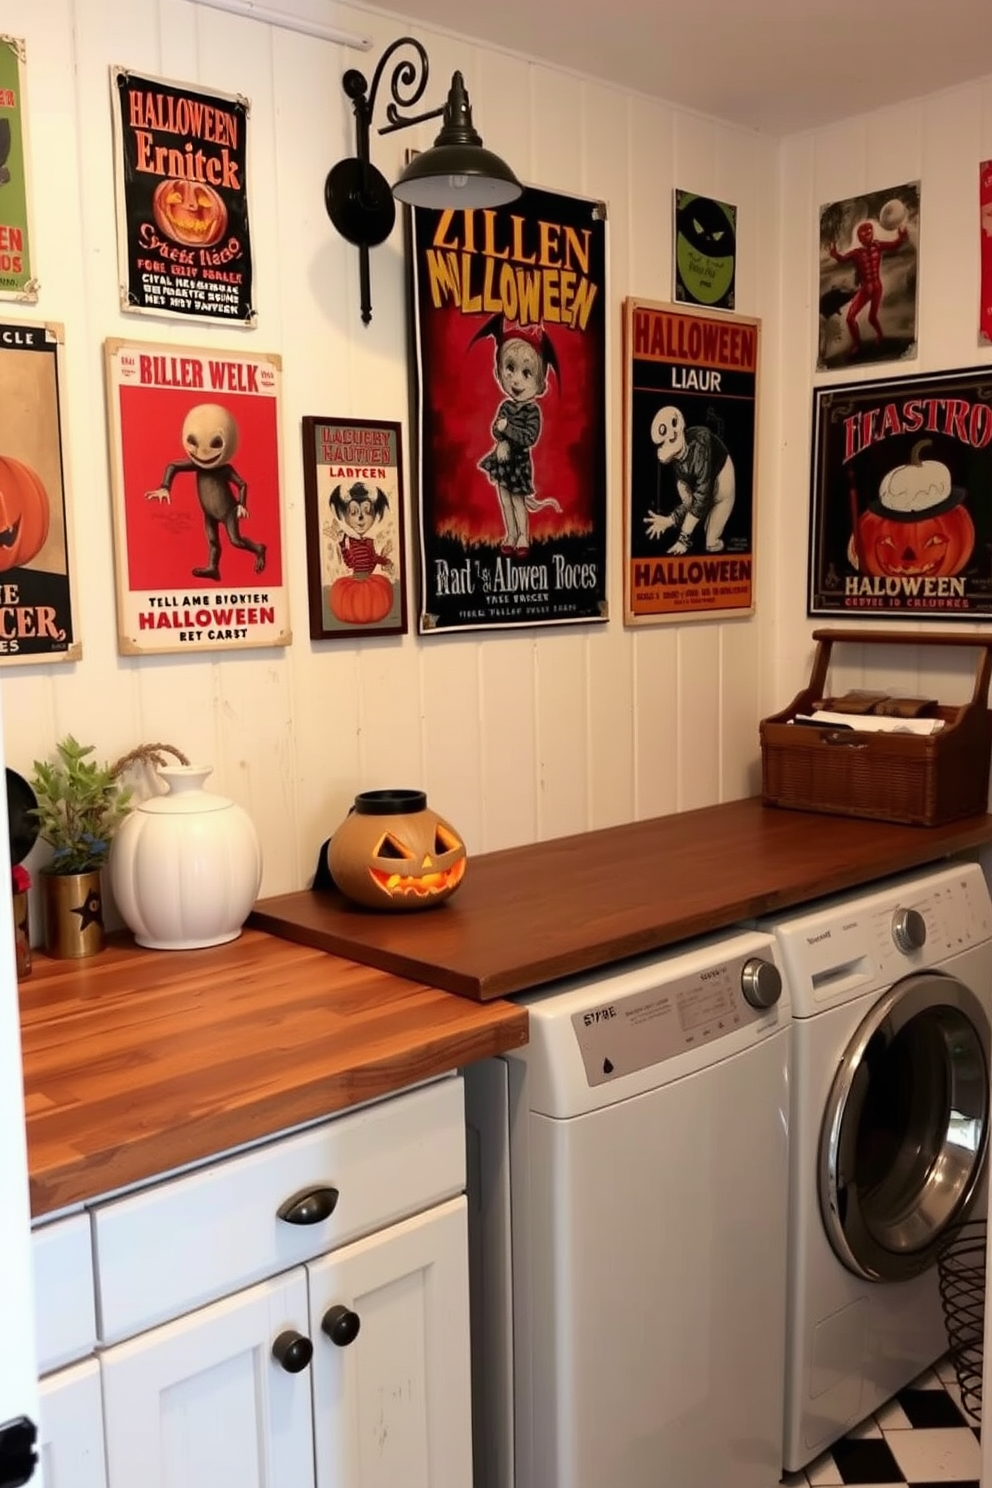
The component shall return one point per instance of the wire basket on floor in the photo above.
(961, 1273)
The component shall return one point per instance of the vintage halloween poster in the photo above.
(36, 586)
(181, 171)
(690, 414)
(510, 327)
(985, 242)
(17, 281)
(197, 511)
(869, 249)
(901, 522)
(356, 568)
(705, 257)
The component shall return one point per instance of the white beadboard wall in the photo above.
(515, 736)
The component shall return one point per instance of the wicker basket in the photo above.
(915, 780)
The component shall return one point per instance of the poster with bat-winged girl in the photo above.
(510, 346)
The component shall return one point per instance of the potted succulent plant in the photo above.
(80, 806)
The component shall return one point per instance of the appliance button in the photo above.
(909, 930)
(761, 982)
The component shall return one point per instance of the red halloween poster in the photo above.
(197, 514)
(985, 233)
(510, 310)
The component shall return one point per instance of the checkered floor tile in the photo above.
(926, 1437)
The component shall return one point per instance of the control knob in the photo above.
(909, 929)
(761, 982)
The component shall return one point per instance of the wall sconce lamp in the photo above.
(456, 172)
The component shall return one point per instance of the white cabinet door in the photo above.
(71, 1434)
(202, 1403)
(392, 1406)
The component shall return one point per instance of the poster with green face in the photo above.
(17, 281)
(705, 251)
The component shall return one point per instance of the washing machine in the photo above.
(627, 1195)
(890, 991)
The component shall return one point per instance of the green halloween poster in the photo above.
(17, 281)
(705, 251)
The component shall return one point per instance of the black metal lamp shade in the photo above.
(457, 171)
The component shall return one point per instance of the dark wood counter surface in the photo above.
(138, 1061)
(529, 914)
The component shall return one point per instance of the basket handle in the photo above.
(825, 640)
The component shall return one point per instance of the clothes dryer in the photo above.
(627, 1192)
(890, 992)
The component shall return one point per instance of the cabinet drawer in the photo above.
(65, 1316)
(189, 1240)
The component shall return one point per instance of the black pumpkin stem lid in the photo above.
(390, 802)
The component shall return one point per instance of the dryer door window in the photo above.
(905, 1130)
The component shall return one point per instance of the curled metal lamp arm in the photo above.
(357, 196)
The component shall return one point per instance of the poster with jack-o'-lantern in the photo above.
(36, 588)
(181, 164)
(901, 520)
(198, 545)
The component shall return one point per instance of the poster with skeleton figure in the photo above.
(197, 510)
(900, 522)
(690, 403)
(510, 315)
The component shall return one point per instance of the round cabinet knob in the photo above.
(909, 929)
(292, 1350)
(761, 982)
(341, 1325)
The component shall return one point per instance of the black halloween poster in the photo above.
(183, 240)
(690, 415)
(510, 325)
(901, 521)
(36, 609)
(194, 438)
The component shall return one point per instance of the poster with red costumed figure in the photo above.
(510, 346)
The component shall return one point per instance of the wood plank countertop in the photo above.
(138, 1061)
(530, 914)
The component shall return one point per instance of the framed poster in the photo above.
(36, 586)
(869, 252)
(356, 564)
(510, 370)
(690, 421)
(705, 257)
(985, 252)
(194, 438)
(17, 281)
(900, 519)
(181, 176)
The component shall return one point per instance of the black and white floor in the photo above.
(924, 1438)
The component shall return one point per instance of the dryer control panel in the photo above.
(625, 1034)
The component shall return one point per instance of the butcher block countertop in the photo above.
(530, 914)
(138, 1061)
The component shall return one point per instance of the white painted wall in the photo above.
(516, 736)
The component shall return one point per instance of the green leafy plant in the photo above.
(80, 806)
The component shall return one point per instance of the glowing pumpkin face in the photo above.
(393, 852)
(189, 212)
(932, 546)
(24, 513)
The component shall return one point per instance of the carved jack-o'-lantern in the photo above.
(918, 526)
(189, 212)
(393, 852)
(24, 513)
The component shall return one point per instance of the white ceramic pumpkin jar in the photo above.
(185, 867)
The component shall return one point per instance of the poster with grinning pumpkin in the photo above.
(900, 518)
(183, 240)
(36, 588)
(510, 316)
(194, 445)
